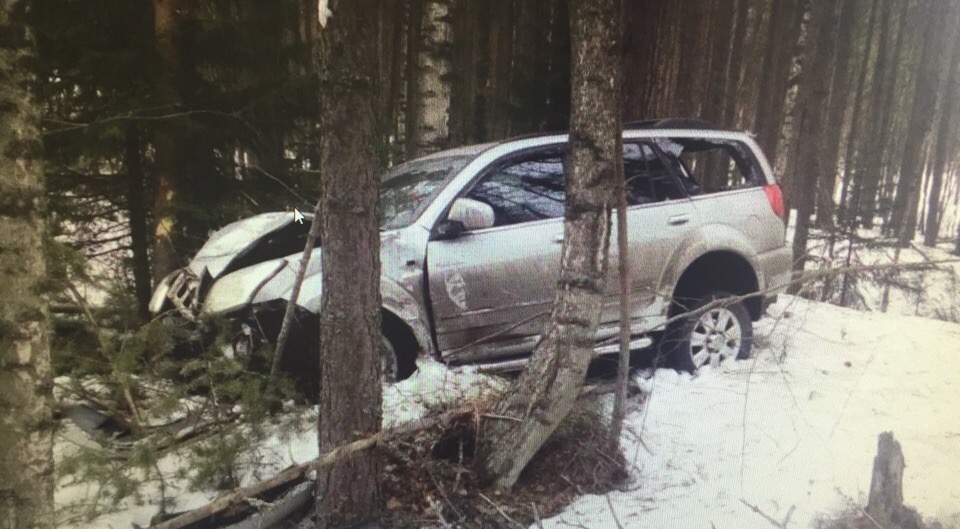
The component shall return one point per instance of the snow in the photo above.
(793, 430)
(433, 385)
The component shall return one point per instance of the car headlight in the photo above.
(237, 289)
(159, 297)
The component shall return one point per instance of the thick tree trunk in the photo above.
(166, 22)
(920, 123)
(26, 425)
(546, 390)
(137, 211)
(349, 492)
(431, 130)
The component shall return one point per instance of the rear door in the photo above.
(726, 181)
(660, 216)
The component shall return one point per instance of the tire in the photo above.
(395, 361)
(712, 337)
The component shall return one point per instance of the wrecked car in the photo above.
(470, 252)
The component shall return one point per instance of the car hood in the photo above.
(235, 240)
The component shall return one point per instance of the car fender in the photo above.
(709, 238)
(394, 298)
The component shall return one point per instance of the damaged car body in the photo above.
(470, 253)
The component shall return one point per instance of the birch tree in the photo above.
(431, 128)
(26, 434)
(525, 417)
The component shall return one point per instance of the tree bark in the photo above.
(166, 25)
(545, 392)
(921, 119)
(349, 491)
(870, 164)
(886, 484)
(793, 112)
(775, 74)
(431, 130)
(839, 102)
(941, 150)
(807, 164)
(26, 423)
(137, 211)
(848, 213)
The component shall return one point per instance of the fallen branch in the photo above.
(300, 472)
(291, 475)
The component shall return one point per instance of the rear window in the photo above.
(712, 166)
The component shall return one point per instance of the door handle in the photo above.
(558, 238)
(678, 220)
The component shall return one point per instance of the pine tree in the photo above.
(26, 429)
(348, 492)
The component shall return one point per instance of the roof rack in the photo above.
(671, 123)
(661, 123)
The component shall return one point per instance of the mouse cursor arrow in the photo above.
(297, 216)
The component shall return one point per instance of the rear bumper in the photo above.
(776, 270)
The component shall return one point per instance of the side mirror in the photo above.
(473, 214)
(447, 229)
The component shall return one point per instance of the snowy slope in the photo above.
(793, 431)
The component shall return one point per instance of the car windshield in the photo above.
(407, 189)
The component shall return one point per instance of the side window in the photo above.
(648, 179)
(711, 166)
(524, 191)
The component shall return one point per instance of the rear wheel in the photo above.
(719, 330)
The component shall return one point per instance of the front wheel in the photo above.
(719, 329)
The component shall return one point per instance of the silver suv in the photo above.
(470, 252)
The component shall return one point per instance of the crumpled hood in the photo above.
(235, 240)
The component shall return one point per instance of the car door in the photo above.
(492, 289)
(660, 218)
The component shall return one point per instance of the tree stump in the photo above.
(886, 486)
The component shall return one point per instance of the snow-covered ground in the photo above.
(793, 431)
(433, 385)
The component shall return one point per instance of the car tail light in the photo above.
(775, 197)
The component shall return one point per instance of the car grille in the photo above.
(184, 293)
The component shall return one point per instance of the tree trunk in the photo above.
(545, 392)
(793, 111)
(431, 129)
(26, 424)
(412, 102)
(839, 101)
(775, 74)
(137, 211)
(848, 213)
(941, 150)
(166, 23)
(802, 173)
(921, 119)
(750, 75)
(886, 484)
(871, 158)
(349, 492)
